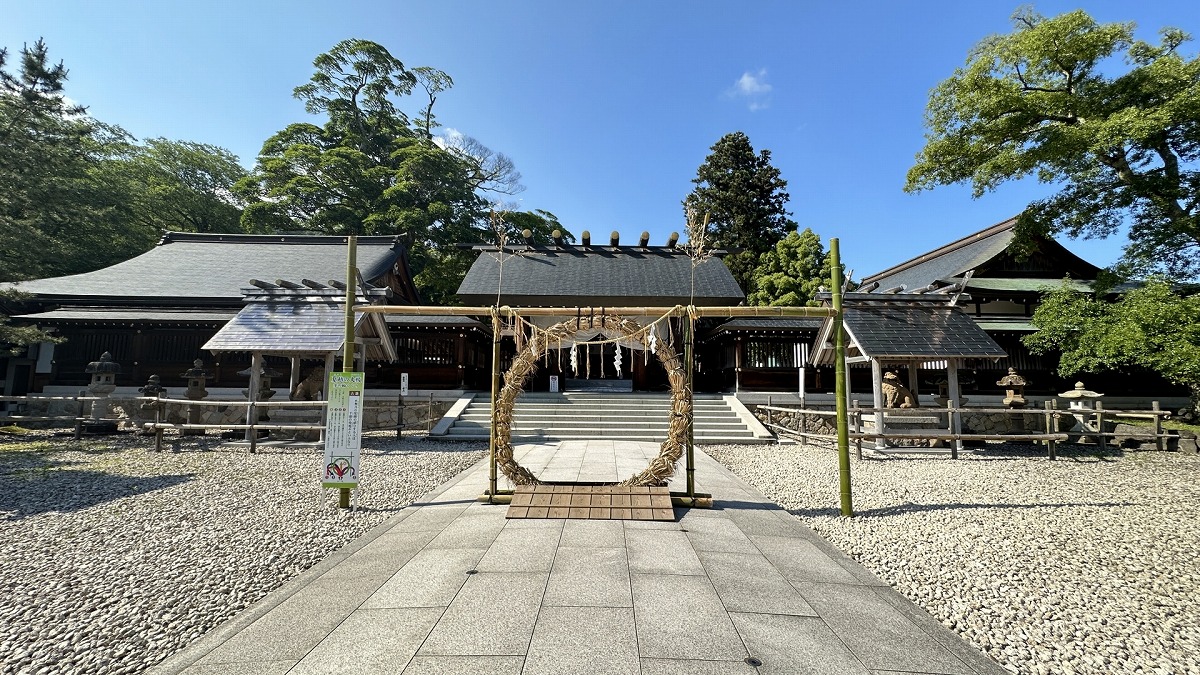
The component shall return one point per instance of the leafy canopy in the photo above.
(1150, 327)
(371, 169)
(745, 201)
(790, 274)
(79, 194)
(1113, 122)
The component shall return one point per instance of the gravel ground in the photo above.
(113, 557)
(1087, 564)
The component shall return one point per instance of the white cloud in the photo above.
(754, 88)
(449, 137)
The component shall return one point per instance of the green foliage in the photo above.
(745, 201)
(80, 194)
(1121, 141)
(790, 274)
(14, 339)
(541, 225)
(1150, 327)
(369, 169)
(181, 186)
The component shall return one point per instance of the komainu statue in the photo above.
(895, 394)
(309, 389)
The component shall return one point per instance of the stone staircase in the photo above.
(599, 415)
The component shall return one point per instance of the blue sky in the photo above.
(607, 108)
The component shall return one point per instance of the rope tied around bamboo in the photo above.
(662, 467)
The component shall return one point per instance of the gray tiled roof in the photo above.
(770, 323)
(918, 331)
(599, 276)
(151, 314)
(217, 267)
(950, 261)
(297, 325)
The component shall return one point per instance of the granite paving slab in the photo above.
(449, 585)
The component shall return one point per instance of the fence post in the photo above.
(429, 415)
(1158, 428)
(1050, 442)
(158, 430)
(857, 428)
(770, 420)
(1100, 426)
(251, 418)
(399, 415)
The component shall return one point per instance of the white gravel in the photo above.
(1087, 564)
(113, 557)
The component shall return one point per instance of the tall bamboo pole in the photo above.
(689, 360)
(492, 478)
(839, 342)
(348, 337)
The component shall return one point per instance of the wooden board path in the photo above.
(591, 502)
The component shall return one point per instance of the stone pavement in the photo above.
(451, 586)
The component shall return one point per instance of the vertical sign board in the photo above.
(404, 384)
(343, 431)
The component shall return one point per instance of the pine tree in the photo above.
(745, 200)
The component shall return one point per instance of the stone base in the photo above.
(98, 427)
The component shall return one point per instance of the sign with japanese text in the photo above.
(343, 430)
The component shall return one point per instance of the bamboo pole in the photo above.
(348, 344)
(678, 310)
(689, 359)
(492, 479)
(840, 381)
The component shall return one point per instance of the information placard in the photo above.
(343, 430)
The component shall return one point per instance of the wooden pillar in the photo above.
(293, 375)
(739, 357)
(913, 385)
(329, 360)
(256, 368)
(955, 397)
(877, 397)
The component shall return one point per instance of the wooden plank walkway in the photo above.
(591, 502)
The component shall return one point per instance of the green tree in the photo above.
(181, 186)
(1112, 121)
(790, 274)
(745, 200)
(541, 225)
(369, 169)
(48, 146)
(1150, 327)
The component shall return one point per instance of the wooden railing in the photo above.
(1049, 433)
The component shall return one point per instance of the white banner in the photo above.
(343, 430)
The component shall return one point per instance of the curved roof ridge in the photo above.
(998, 228)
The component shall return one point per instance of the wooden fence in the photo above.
(1049, 433)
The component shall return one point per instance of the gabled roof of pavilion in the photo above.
(599, 276)
(996, 267)
(906, 326)
(303, 322)
(188, 268)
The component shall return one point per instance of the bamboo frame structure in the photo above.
(680, 440)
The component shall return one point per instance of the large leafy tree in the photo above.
(745, 201)
(1152, 327)
(790, 274)
(79, 194)
(1113, 122)
(180, 185)
(372, 169)
(50, 206)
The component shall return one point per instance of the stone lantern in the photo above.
(1014, 389)
(196, 377)
(1083, 401)
(153, 387)
(104, 382)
